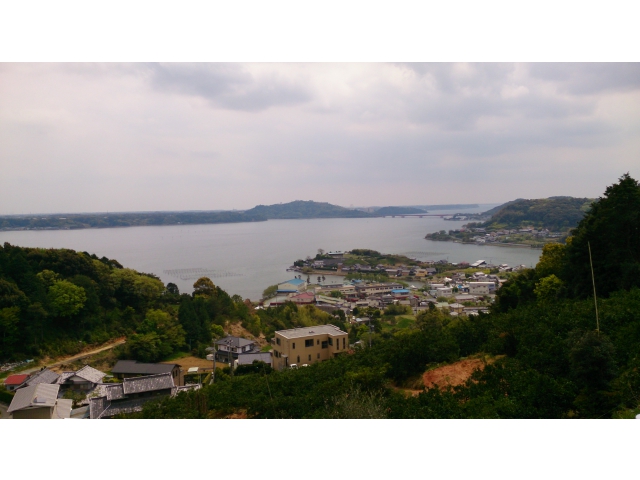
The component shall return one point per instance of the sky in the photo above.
(83, 137)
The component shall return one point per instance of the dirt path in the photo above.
(86, 353)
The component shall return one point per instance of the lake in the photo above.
(245, 258)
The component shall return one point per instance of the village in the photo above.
(461, 289)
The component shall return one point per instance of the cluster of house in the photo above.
(42, 395)
(458, 288)
(504, 235)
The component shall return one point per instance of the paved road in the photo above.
(75, 357)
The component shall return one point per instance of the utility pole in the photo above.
(593, 280)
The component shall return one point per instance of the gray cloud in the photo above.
(589, 78)
(98, 137)
(228, 85)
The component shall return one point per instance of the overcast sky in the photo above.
(132, 137)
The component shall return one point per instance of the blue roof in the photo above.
(295, 281)
(402, 290)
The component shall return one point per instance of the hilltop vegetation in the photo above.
(304, 209)
(554, 213)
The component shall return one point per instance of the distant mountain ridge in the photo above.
(398, 211)
(304, 209)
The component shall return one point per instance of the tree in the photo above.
(173, 289)
(9, 320)
(66, 298)
(270, 291)
(203, 287)
(548, 289)
(611, 228)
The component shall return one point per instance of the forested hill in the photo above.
(107, 220)
(72, 221)
(555, 213)
(304, 209)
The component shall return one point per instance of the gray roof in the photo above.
(43, 376)
(64, 376)
(235, 341)
(79, 413)
(97, 406)
(148, 383)
(114, 391)
(90, 374)
(127, 406)
(248, 358)
(33, 396)
(310, 331)
(63, 408)
(135, 368)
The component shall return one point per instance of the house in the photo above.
(400, 293)
(295, 285)
(39, 401)
(131, 369)
(130, 395)
(85, 380)
(43, 376)
(249, 358)
(481, 288)
(307, 345)
(304, 298)
(231, 346)
(13, 382)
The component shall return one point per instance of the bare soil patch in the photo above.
(455, 374)
(189, 362)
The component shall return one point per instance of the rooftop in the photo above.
(309, 331)
(15, 379)
(43, 376)
(34, 396)
(135, 368)
(235, 341)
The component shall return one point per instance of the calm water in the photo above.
(245, 258)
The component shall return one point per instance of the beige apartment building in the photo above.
(307, 345)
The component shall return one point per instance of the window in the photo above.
(318, 342)
(294, 347)
(324, 345)
(343, 340)
(318, 356)
(298, 358)
(309, 357)
(308, 343)
(277, 340)
(330, 341)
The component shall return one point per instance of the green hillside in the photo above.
(554, 213)
(304, 209)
